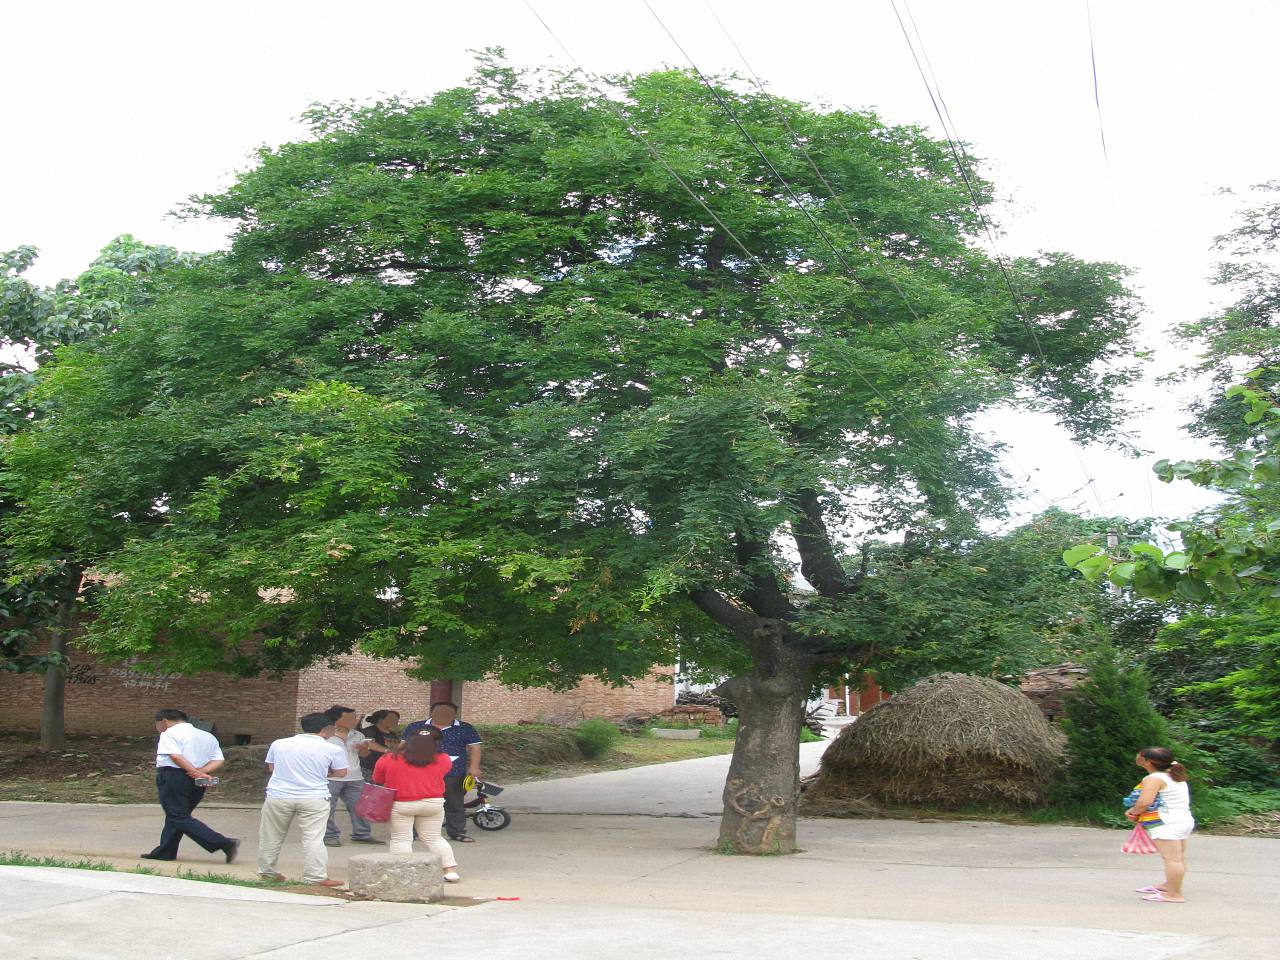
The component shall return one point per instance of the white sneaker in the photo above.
(451, 876)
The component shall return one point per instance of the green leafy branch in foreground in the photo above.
(1229, 563)
(1238, 550)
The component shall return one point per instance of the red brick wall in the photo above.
(368, 684)
(365, 683)
(120, 699)
(487, 701)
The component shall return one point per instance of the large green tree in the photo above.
(480, 383)
(37, 604)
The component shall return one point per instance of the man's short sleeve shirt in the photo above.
(196, 746)
(301, 766)
(348, 746)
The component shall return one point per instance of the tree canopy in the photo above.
(34, 322)
(481, 384)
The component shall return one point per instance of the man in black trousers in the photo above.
(185, 760)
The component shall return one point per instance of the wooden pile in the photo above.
(1048, 686)
(690, 715)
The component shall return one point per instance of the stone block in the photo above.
(399, 877)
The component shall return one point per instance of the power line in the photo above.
(639, 134)
(1097, 100)
(1033, 490)
(957, 149)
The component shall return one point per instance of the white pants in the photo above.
(1178, 830)
(426, 816)
(277, 817)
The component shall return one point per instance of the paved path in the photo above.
(633, 887)
(686, 788)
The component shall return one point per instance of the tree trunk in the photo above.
(53, 729)
(762, 791)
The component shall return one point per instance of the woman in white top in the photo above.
(1166, 779)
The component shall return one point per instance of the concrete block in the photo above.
(399, 877)
(676, 733)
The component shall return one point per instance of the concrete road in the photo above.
(632, 886)
(686, 788)
(640, 886)
(78, 915)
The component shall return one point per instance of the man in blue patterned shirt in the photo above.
(462, 742)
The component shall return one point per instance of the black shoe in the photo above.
(365, 840)
(462, 838)
(332, 843)
(156, 856)
(231, 850)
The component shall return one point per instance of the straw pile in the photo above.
(950, 741)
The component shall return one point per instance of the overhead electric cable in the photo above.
(1033, 491)
(639, 134)
(1097, 99)
(957, 150)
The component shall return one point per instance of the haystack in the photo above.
(951, 740)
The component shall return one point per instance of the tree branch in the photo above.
(723, 611)
(818, 560)
(765, 595)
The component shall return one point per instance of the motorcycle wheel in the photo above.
(492, 819)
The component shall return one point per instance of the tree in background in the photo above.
(479, 383)
(38, 603)
(994, 604)
(1107, 720)
(1246, 335)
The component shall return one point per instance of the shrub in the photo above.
(596, 737)
(1107, 720)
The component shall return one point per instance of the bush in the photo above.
(1107, 720)
(596, 737)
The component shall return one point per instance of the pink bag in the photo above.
(1139, 842)
(375, 802)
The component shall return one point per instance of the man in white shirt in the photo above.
(185, 759)
(301, 767)
(347, 789)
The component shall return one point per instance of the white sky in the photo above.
(118, 111)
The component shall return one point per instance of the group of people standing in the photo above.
(312, 772)
(331, 760)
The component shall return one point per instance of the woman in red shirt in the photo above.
(416, 773)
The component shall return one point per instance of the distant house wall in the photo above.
(365, 683)
(120, 699)
(487, 701)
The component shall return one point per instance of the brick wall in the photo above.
(365, 683)
(487, 701)
(121, 699)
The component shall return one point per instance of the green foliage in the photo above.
(35, 322)
(989, 605)
(1245, 334)
(480, 385)
(1107, 720)
(1230, 562)
(596, 737)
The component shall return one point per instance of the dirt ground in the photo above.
(93, 769)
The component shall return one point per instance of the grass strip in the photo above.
(16, 858)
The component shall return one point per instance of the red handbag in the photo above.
(1139, 842)
(375, 802)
